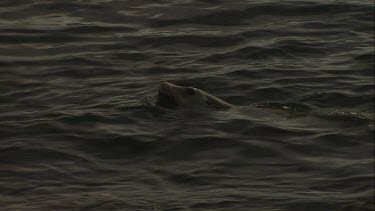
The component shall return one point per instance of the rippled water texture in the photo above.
(79, 128)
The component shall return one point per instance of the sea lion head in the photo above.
(172, 96)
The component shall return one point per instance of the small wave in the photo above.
(33, 154)
(199, 41)
(250, 53)
(253, 11)
(337, 99)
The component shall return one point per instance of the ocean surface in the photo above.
(80, 130)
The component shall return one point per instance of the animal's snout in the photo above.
(165, 88)
(166, 96)
(166, 85)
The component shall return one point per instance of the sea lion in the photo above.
(172, 96)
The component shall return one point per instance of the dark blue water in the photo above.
(79, 128)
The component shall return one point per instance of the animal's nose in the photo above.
(166, 85)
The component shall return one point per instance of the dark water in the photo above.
(79, 130)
